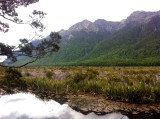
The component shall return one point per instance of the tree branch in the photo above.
(27, 63)
(20, 65)
(11, 20)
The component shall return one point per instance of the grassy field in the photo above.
(131, 84)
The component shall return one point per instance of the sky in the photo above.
(62, 14)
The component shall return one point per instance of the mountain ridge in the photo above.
(133, 41)
(102, 25)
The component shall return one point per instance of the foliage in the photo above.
(13, 79)
(12, 74)
(49, 74)
(90, 74)
(130, 84)
(26, 47)
(8, 12)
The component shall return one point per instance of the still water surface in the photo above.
(28, 106)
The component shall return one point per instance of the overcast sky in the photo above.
(64, 13)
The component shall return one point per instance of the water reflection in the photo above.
(28, 106)
(2, 57)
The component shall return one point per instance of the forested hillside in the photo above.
(133, 41)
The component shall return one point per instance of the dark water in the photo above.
(28, 106)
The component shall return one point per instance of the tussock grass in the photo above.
(131, 84)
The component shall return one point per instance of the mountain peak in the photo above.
(98, 21)
(101, 25)
(142, 16)
(104, 25)
(86, 21)
(84, 25)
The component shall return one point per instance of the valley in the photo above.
(134, 41)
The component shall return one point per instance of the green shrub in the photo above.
(13, 78)
(47, 85)
(90, 74)
(78, 77)
(49, 74)
(28, 74)
(12, 74)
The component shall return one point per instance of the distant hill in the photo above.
(133, 41)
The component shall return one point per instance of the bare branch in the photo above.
(27, 63)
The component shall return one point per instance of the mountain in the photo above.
(84, 25)
(141, 16)
(132, 41)
(99, 25)
(104, 25)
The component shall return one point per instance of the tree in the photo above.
(8, 12)
(26, 47)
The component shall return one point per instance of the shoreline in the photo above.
(88, 103)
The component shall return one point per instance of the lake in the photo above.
(2, 58)
(28, 106)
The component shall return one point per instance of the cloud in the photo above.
(28, 106)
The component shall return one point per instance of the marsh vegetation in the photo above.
(129, 84)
